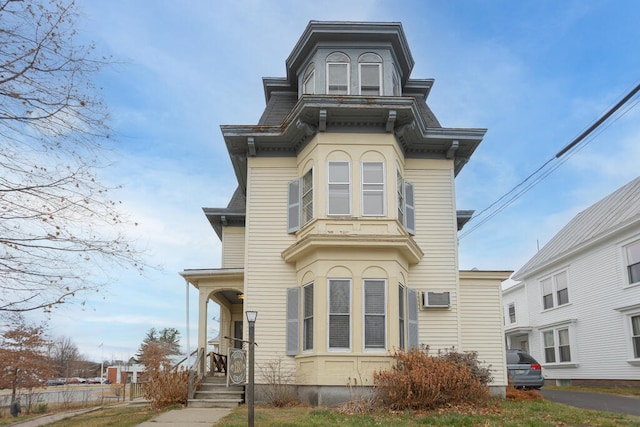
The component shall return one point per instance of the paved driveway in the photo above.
(597, 401)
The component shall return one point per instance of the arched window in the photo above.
(309, 80)
(370, 68)
(337, 74)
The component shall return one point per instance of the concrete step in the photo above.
(214, 403)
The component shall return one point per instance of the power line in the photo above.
(545, 170)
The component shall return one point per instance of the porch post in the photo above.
(203, 298)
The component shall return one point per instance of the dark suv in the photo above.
(524, 371)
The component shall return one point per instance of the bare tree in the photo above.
(57, 221)
(24, 362)
(64, 356)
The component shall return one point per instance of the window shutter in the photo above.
(293, 322)
(410, 210)
(293, 223)
(412, 317)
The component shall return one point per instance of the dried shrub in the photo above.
(280, 380)
(167, 387)
(363, 400)
(522, 395)
(422, 382)
(470, 360)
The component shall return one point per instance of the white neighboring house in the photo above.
(577, 308)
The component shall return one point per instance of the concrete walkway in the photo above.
(197, 417)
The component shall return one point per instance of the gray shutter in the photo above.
(293, 321)
(412, 317)
(294, 203)
(410, 210)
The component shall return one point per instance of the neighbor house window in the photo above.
(557, 345)
(374, 314)
(635, 335)
(307, 310)
(401, 316)
(406, 206)
(370, 67)
(555, 290)
(339, 314)
(300, 202)
(512, 313)
(339, 194)
(337, 74)
(309, 81)
(373, 189)
(633, 262)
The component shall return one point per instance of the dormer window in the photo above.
(309, 81)
(370, 68)
(396, 83)
(338, 74)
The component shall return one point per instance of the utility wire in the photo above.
(545, 170)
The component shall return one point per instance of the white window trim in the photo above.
(339, 349)
(625, 260)
(349, 183)
(555, 327)
(313, 317)
(515, 313)
(386, 318)
(554, 289)
(348, 65)
(384, 190)
(379, 65)
(627, 313)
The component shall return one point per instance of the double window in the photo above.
(555, 291)
(557, 345)
(632, 253)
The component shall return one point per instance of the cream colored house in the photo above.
(342, 233)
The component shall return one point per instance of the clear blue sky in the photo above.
(535, 73)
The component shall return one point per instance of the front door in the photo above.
(237, 334)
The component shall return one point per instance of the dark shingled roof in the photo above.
(279, 105)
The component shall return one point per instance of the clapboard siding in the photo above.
(267, 276)
(481, 323)
(233, 247)
(436, 236)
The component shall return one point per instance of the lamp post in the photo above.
(251, 318)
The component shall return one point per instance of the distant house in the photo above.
(342, 232)
(125, 373)
(577, 309)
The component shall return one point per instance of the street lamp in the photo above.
(251, 318)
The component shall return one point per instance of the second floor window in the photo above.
(512, 313)
(373, 189)
(300, 202)
(555, 291)
(406, 205)
(339, 194)
(633, 262)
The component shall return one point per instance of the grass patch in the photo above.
(540, 413)
(117, 416)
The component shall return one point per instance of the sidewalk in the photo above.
(188, 417)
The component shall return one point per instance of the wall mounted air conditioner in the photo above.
(436, 299)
